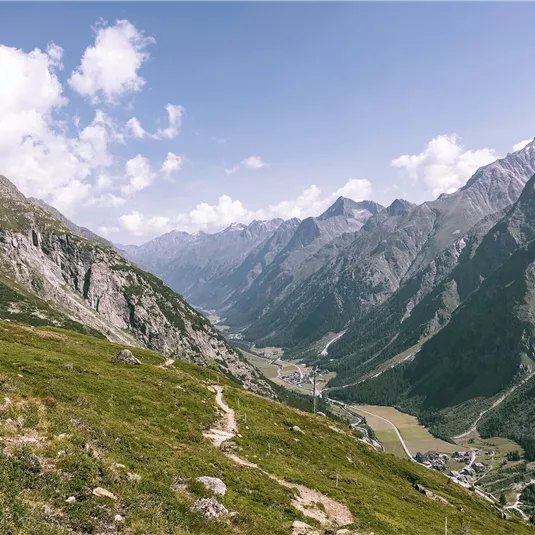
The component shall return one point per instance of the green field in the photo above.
(416, 436)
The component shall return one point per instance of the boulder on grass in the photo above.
(214, 484)
(127, 357)
(210, 508)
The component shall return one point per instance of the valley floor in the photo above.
(400, 432)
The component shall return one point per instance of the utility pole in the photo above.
(446, 527)
(314, 393)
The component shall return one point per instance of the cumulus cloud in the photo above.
(444, 165)
(36, 152)
(213, 217)
(252, 163)
(138, 174)
(106, 231)
(521, 145)
(357, 189)
(134, 129)
(109, 68)
(171, 165)
(137, 224)
(106, 200)
(174, 113)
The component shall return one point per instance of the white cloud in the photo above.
(252, 163)
(107, 200)
(171, 165)
(357, 189)
(225, 212)
(109, 68)
(134, 129)
(139, 175)
(444, 165)
(36, 152)
(213, 217)
(106, 231)
(174, 113)
(67, 196)
(136, 224)
(521, 145)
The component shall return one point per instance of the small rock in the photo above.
(321, 413)
(210, 508)
(103, 493)
(297, 429)
(133, 477)
(119, 518)
(302, 528)
(70, 499)
(214, 484)
(127, 357)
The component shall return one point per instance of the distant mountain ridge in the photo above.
(214, 270)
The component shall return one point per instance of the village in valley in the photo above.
(465, 476)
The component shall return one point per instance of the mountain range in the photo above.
(413, 298)
(429, 308)
(171, 434)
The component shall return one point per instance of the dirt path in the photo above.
(167, 363)
(494, 405)
(309, 501)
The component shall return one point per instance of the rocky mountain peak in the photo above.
(258, 226)
(400, 207)
(349, 208)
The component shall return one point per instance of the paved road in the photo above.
(409, 454)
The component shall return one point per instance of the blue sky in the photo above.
(280, 106)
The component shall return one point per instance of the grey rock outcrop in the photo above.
(210, 508)
(214, 484)
(127, 357)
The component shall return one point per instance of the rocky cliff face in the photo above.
(95, 286)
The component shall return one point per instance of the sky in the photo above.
(137, 118)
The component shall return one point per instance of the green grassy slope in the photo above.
(73, 419)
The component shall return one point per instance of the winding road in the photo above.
(404, 446)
